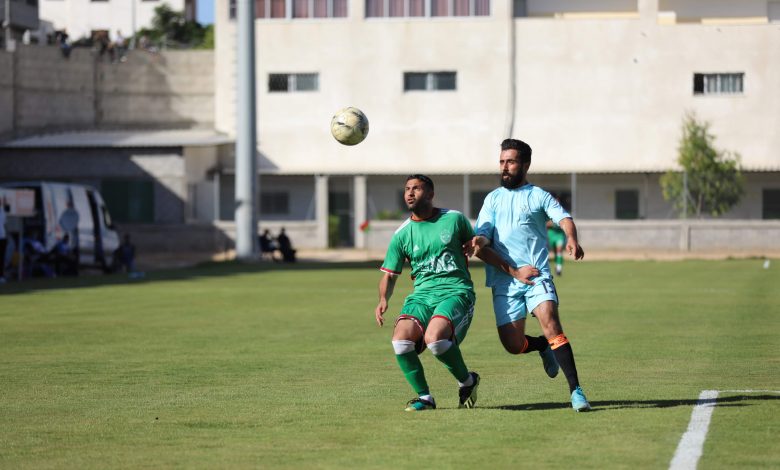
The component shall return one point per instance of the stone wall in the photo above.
(42, 92)
(6, 93)
(654, 237)
(637, 238)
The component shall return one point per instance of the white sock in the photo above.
(428, 398)
(468, 383)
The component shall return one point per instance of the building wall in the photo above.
(6, 93)
(653, 238)
(174, 88)
(81, 17)
(45, 92)
(163, 167)
(591, 95)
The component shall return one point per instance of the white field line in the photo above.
(689, 450)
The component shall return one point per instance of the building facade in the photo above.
(16, 17)
(83, 18)
(598, 88)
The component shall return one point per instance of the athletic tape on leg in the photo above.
(403, 346)
(440, 347)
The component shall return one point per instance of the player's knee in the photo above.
(403, 346)
(513, 348)
(440, 347)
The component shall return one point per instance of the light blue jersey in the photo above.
(514, 220)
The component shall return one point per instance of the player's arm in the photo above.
(386, 286)
(487, 254)
(572, 244)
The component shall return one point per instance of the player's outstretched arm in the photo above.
(522, 274)
(386, 286)
(572, 244)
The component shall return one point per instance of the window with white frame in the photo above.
(430, 81)
(290, 82)
(718, 83)
(426, 8)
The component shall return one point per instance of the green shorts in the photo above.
(556, 237)
(457, 307)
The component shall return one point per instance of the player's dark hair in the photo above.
(427, 182)
(523, 149)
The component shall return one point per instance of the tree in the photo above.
(171, 29)
(710, 182)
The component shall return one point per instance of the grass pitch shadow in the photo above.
(93, 278)
(735, 400)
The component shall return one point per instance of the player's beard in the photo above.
(511, 182)
(419, 206)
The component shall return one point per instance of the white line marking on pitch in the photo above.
(691, 444)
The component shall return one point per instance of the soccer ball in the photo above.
(349, 126)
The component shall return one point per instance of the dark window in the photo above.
(288, 82)
(477, 198)
(627, 204)
(274, 203)
(718, 83)
(771, 204)
(129, 200)
(520, 8)
(415, 81)
(430, 81)
(563, 196)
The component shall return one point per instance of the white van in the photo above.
(97, 235)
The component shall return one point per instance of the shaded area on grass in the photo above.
(623, 404)
(208, 269)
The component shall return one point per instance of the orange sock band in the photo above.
(558, 341)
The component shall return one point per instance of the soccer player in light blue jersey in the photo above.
(511, 236)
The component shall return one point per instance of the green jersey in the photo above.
(434, 250)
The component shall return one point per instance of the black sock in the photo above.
(536, 343)
(565, 357)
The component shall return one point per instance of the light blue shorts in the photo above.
(513, 302)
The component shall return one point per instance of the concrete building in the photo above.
(16, 17)
(82, 18)
(599, 88)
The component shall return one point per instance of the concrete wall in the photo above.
(43, 92)
(174, 88)
(164, 167)
(6, 93)
(652, 238)
(736, 237)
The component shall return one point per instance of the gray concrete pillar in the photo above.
(573, 188)
(359, 209)
(467, 195)
(321, 209)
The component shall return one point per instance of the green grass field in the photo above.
(232, 366)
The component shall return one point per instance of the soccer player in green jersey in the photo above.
(557, 239)
(438, 312)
